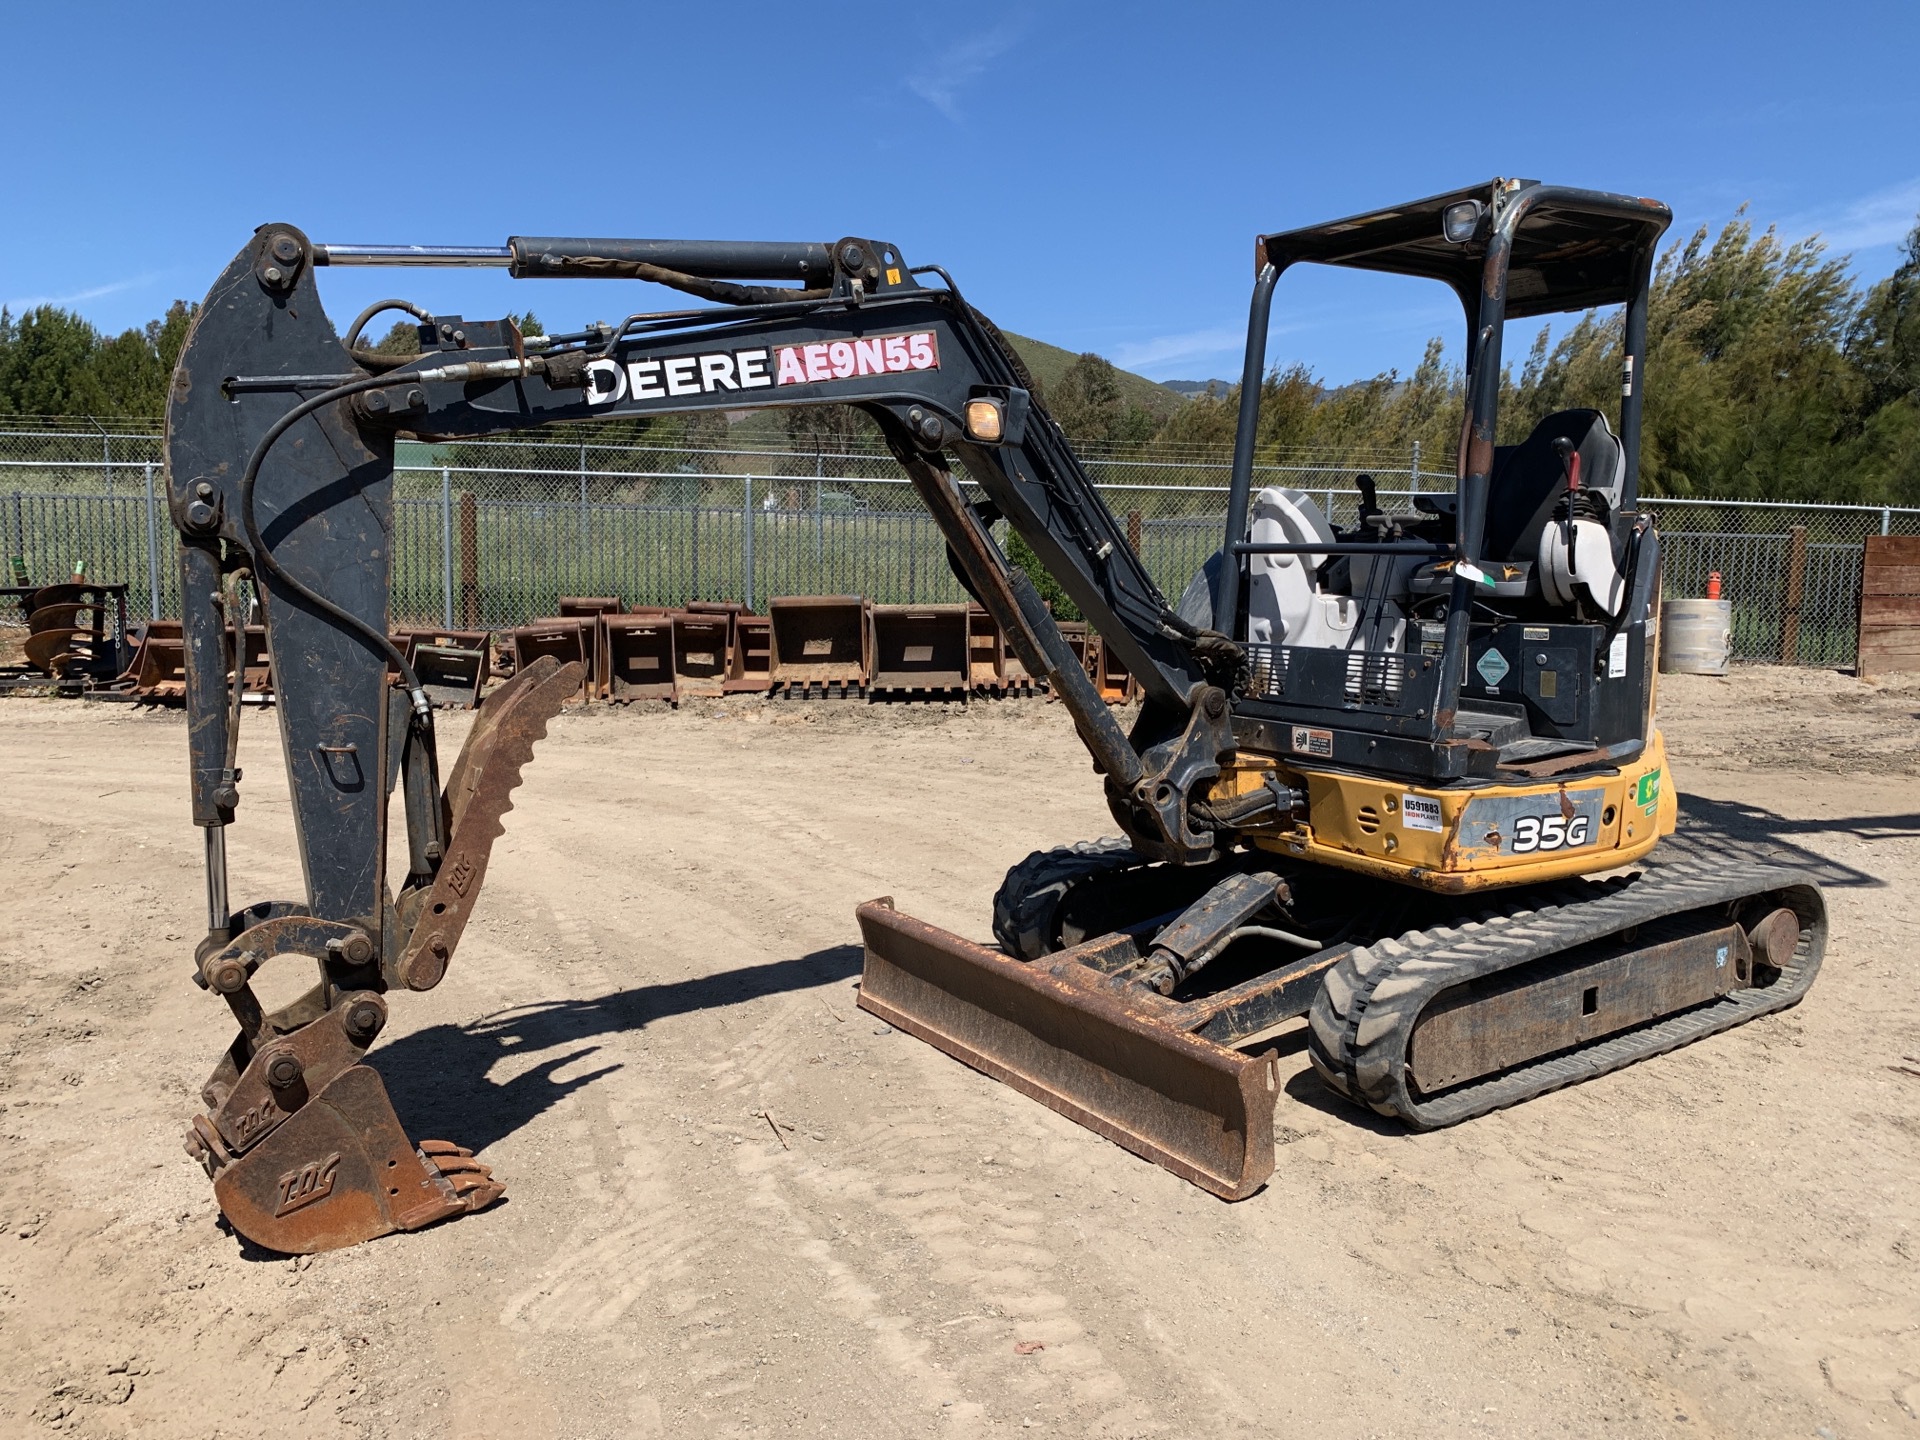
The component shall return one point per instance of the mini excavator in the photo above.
(1400, 779)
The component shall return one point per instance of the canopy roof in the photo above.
(1572, 249)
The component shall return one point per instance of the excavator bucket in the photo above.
(820, 643)
(300, 1140)
(159, 667)
(750, 667)
(701, 647)
(1108, 1059)
(919, 649)
(639, 657)
(340, 1170)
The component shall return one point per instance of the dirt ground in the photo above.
(1725, 1241)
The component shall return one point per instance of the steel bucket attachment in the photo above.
(300, 1140)
(569, 641)
(750, 667)
(1111, 1059)
(256, 665)
(1080, 642)
(700, 651)
(986, 653)
(1110, 675)
(819, 640)
(159, 667)
(638, 655)
(919, 648)
(453, 665)
(586, 607)
(452, 676)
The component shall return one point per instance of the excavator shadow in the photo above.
(439, 1078)
(1306, 1088)
(1760, 834)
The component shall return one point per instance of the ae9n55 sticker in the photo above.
(715, 372)
(1532, 824)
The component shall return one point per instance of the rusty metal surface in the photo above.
(636, 654)
(585, 607)
(818, 640)
(702, 645)
(452, 675)
(340, 1170)
(568, 641)
(919, 647)
(158, 669)
(987, 652)
(479, 793)
(1114, 1059)
(750, 666)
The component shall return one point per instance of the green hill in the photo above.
(1048, 363)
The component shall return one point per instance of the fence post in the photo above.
(580, 560)
(1796, 588)
(446, 546)
(469, 562)
(1416, 467)
(1886, 519)
(20, 534)
(153, 551)
(746, 545)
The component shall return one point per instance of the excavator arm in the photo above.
(280, 446)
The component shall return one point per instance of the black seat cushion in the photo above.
(1527, 480)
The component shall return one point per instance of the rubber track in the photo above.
(1362, 1020)
(1028, 901)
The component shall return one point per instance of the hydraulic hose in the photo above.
(264, 561)
(373, 359)
(265, 565)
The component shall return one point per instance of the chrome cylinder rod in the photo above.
(495, 256)
(218, 911)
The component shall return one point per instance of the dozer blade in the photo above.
(340, 1170)
(1100, 1057)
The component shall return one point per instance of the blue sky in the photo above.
(1093, 174)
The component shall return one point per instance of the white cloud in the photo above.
(1162, 350)
(1882, 218)
(80, 297)
(940, 81)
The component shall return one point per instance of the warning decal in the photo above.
(1317, 743)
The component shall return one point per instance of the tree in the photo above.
(1884, 341)
(1088, 405)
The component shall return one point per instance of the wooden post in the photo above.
(1133, 530)
(469, 562)
(1796, 589)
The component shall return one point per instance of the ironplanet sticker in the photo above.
(717, 371)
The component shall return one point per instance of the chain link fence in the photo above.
(491, 534)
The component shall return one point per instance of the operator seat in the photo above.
(1528, 481)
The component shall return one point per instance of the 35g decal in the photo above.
(1550, 832)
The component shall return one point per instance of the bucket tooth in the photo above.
(1108, 1057)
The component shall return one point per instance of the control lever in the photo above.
(1570, 469)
